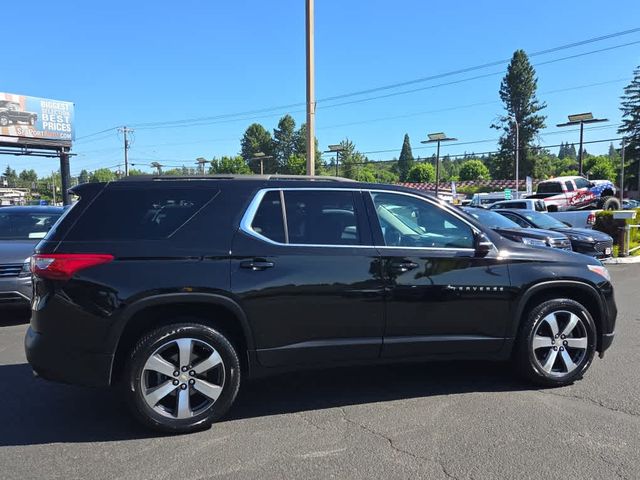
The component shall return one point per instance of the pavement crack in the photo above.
(393, 446)
(597, 403)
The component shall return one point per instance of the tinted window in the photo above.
(321, 217)
(516, 219)
(490, 219)
(139, 214)
(550, 187)
(569, 185)
(541, 206)
(542, 220)
(268, 219)
(582, 183)
(409, 221)
(15, 225)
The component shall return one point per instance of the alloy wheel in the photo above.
(560, 343)
(182, 378)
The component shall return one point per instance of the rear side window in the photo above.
(321, 217)
(569, 185)
(541, 206)
(550, 187)
(268, 220)
(139, 214)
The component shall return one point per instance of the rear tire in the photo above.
(181, 377)
(556, 343)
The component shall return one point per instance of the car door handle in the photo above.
(403, 266)
(256, 265)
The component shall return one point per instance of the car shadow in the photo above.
(10, 316)
(41, 412)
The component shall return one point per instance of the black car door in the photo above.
(305, 272)
(441, 297)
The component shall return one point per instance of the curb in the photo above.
(621, 260)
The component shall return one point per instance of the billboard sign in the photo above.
(35, 120)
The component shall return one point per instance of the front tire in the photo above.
(181, 378)
(556, 343)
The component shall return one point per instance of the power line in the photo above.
(96, 133)
(197, 121)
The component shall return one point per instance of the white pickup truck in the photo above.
(577, 193)
(574, 218)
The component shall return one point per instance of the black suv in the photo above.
(175, 289)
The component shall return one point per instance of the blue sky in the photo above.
(130, 63)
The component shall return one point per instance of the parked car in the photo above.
(10, 112)
(589, 242)
(508, 228)
(574, 193)
(485, 200)
(21, 228)
(629, 204)
(523, 204)
(243, 277)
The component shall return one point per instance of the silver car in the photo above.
(21, 228)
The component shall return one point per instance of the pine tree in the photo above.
(571, 152)
(405, 162)
(518, 94)
(630, 128)
(256, 139)
(284, 140)
(562, 152)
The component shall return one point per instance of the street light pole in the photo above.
(437, 138)
(622, 173)
(311, 101)
(338, 149)
(517, 153)
(581, 119)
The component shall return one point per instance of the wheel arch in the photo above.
(581, 292)
(217, 311)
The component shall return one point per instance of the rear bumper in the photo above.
(55, 361)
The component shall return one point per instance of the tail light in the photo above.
(591, 219)
(62, 266)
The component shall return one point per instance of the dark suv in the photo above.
(175, 289)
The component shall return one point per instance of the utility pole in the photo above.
(53, 186)
(622, 173)
(311, 100)
(124, 130)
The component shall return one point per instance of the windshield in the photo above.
(491, 219)
(26, 225)
(542, 220)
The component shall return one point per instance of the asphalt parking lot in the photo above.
(449, 420)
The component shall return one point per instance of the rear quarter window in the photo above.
(139, 213)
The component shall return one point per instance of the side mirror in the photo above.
(483, 245)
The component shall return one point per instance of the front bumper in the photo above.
(593, 249)
(55, 361)
(15, 291)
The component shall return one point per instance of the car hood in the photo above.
(595, 234)
(16, 251)
(528, 232)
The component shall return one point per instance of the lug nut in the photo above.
(176, 382)
(192, 373)
(555, 348)
(562, 349)
(192, 381)
(565, 343)
(184, 369)
(563, 336)
(557, 335)
(176, 373)
(183, 386)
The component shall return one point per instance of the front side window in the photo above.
(582, 183)
(411, 222)
(569, 185)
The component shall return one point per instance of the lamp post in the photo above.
(437, 138)
(622, 172)
(337, 149)
(581, 119)
(262, 157)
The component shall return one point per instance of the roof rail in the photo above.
(274, 176)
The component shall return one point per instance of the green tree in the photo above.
(27, 178)
(405, 162)
(300, 149)
(630, 128)
(518, 94)
(133, 172)
(102, 175)
(10, 176)
(230, 165)
(83, 177)
(296, 164)
(422, 173)
(383, 175)
(284, 140)
(474, 170)
(600, 168)
(257, 139)
(563, 151)
(571, 152)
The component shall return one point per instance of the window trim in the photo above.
(252, 209)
